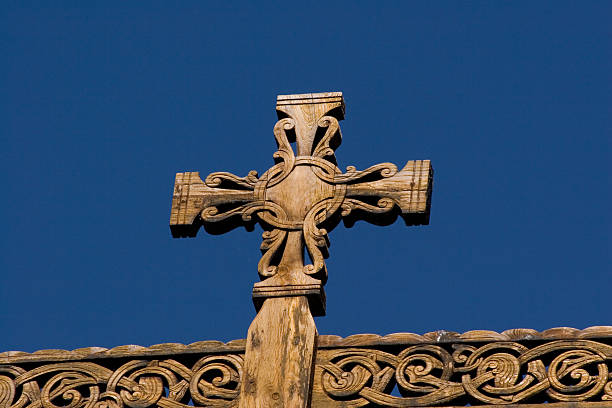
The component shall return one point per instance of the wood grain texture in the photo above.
(563, 367)
(597, 333)
(301, 198)
(496, 373)
(280, 354)
(209, 380)
(297, 201)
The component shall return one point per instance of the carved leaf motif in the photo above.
(216, 179)
(322, 149)
(284, 154)
(211, 214)
(352, 175)
(382, 206)
(272, 242)
(316, 239)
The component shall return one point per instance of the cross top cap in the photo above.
(301, 198)
(311, 98)
(307, 110)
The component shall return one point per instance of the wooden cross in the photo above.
(297, 202)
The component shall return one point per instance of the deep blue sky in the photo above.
(102, 103)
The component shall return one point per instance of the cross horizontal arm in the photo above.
(408, 189)
(195, 201)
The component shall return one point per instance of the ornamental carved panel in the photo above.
(137, 380)
(498, 373)
(563, 367)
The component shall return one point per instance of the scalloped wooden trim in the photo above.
(88, 353)
(324, 341)
(443, 336)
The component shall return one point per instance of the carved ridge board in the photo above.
(324, 341)
(513, 368)
(497, 373)
(442, 336)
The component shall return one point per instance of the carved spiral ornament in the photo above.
(301, 198)
(575, 372)
(497, 373)
(274, 214)
(213, 381)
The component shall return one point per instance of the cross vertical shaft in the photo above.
(297, 201)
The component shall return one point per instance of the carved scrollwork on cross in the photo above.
(498, 373)
(302, 197)
(213, 381)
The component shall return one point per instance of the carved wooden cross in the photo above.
(297, 202)
(300, 198)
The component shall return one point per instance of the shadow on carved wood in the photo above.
(533, 368)
(211, 381)
(302, 197)
(496, 373)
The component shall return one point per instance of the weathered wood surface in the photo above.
(565, 367)
(492, 373)
(280, 355)
(301, 198)
(324, 341)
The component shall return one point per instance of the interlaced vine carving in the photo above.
(302, 197)
(562, 365)
(213, 381)
(495, 373)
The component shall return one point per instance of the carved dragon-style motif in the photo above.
(302, 197)
(213, 381)
(571, 368)
(498, 373)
